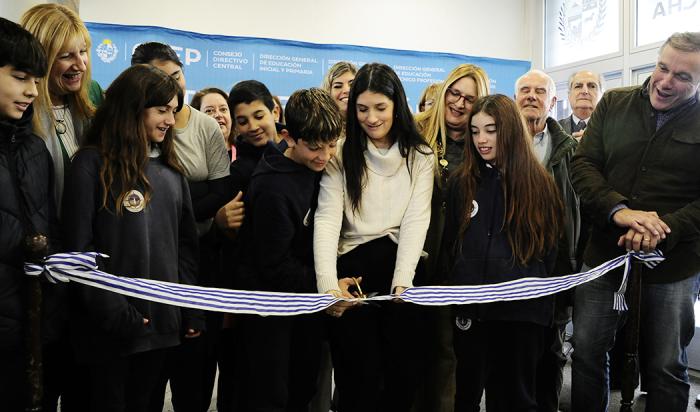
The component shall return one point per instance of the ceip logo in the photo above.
(107, 51)
(190, 55)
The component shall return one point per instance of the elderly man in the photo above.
(535, 95)
(638, 175)
(585, 90)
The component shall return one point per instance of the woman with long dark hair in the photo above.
(126, 197)
(503, 221)
(373, 213)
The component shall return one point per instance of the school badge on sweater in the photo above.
(134, 201)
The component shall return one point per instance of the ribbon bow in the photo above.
(650, 260)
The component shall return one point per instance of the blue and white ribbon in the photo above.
(82, 268)
(528, 288)
(650, 260)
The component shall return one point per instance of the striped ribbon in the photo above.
(82, 268)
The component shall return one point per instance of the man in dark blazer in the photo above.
(585, 91)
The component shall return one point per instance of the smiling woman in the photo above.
(373, 213)
(63, 107)
(213, 102)
(62, 111)
(337, 82)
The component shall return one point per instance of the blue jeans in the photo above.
(667, 325)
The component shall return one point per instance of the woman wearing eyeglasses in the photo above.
(444, 127)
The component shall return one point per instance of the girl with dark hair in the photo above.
(373, 213)
(503, 221)
(444, 127)
(200, 149)
(199, 144)
(126, 197)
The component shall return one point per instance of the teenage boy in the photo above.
(25, 179)
(251, 106)
(282, 353)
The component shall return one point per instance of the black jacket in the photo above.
(223, 252)
(247, 158)
(34, 172)
(558, 165)
(159, 242)
(277, 234)
(454, 154)
(483, 255)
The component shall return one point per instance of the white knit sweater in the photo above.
(393, 203)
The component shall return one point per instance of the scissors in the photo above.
(361, 295)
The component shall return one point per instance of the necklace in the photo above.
(442, 160)
(60, 124)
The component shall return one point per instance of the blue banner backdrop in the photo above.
(283, 65)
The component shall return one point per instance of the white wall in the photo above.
(13, 9)
(630, 66)
(489, 28)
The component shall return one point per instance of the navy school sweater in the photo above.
(159, 242)
(483, 254)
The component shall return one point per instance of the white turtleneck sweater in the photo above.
(394, 203)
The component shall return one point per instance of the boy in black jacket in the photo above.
(25, 206)
(277, 254)
(251, 105)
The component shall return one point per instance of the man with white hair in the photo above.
(535, 95)
(638, 175)
(585, 91)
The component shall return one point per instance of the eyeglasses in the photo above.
(453, 96)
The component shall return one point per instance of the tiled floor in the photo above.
(565, 401)
(565, 405)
